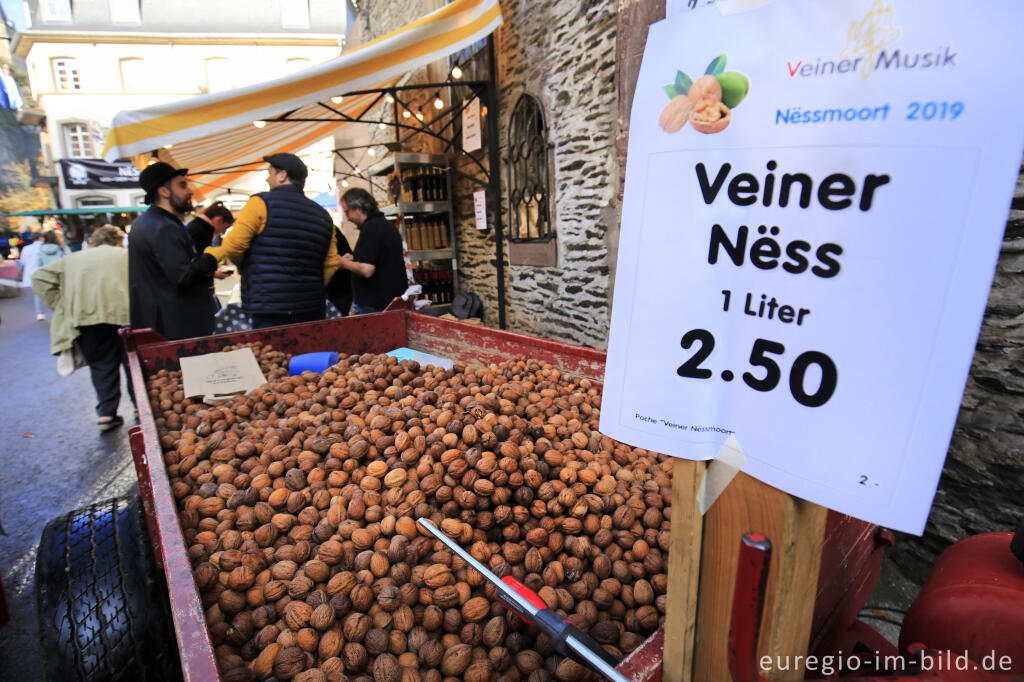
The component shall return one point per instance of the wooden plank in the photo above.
(683, 570)
(796, 529)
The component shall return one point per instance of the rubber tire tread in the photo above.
(101, 602)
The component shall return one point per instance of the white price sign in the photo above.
(816, 194)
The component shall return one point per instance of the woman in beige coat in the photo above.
(88, 293)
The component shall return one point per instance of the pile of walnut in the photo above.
(297, 503)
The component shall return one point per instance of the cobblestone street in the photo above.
(52, 460)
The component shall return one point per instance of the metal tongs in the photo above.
(568, 639)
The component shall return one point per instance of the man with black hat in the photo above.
(284, 246)
(169, 283)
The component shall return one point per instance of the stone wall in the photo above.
(982, 486)
(563, 53)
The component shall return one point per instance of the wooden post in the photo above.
(796, 528)
(683, 571)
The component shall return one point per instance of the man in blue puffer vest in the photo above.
(284, 246)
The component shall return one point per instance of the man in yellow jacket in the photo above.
(285, 248)
(88, 293)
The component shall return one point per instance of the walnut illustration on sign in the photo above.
(707, 102)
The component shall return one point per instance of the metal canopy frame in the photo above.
(484, 89)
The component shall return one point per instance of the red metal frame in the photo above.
(846, 546)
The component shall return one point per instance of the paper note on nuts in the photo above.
(234, 371)
(816, 197)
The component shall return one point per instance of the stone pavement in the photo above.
(52, 459)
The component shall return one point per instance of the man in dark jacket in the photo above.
(212, 221)
(169, 282)
(284, 246)
(377, 263)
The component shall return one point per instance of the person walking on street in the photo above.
(29, 256)
(169, 282)
(284, 246)
(88, 292)
(51, 250)
(377, 263)
(214, 220)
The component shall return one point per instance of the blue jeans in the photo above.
(363, 309)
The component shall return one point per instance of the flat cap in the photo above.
(289, 163)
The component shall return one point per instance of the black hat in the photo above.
(289, 163)
(155, 175)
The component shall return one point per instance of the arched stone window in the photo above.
(529, 187)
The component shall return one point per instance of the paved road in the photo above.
(52, 460)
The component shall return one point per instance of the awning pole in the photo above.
(494, 177)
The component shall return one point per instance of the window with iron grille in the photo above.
(529, 205)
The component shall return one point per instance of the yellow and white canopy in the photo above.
(215, 131)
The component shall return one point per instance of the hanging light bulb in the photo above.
(438, 102)
(259, 123)
(356, 170)
(344, 183)
(337, 99)
(406, 114)
(382, 125)
(371, 151)
(456, 72)
(389, 99)
(419, 115)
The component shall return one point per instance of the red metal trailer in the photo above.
(850, 561)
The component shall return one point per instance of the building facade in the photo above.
(89, 59)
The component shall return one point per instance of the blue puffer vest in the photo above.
(283, 271)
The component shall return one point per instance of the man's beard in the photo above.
(181, 207)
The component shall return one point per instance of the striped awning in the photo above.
(215, 131)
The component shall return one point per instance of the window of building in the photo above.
(94, 200)
(294, 13)
(295, 64)
(56, 10)
(133, 78)
(218, 74)
(65, 74)
(125, 12)
(77, 141)
(528, 172)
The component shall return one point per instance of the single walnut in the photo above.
(354, 657)
(456, 660)
(264, 662)
(386, 669)
(322, 617)
(288, 663)
(297, 615)
(476, 609)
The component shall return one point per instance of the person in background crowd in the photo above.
(169, 283)
(29, 256)
(88, 292)
(284, 246)
(377, 263)
(212, 221)
(50, 251)
(339, 289)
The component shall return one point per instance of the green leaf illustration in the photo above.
(716, 66)
(683, 83)
(671, 91)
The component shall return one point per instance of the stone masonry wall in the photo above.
(563, 53)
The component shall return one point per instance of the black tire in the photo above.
(101, 602)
